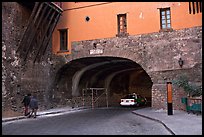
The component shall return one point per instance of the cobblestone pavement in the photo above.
(111, 121)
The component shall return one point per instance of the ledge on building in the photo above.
(62, 51)
(166, 30)
(122, 34)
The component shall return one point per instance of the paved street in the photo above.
(112, 121)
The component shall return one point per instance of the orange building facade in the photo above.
(96, 20)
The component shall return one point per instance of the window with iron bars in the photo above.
(122, 25)
(195, 7)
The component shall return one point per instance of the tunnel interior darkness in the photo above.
(119, 75)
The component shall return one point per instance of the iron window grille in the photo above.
(195, 7)
(122, 24)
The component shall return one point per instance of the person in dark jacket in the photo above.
(33, 106)
(26, 102)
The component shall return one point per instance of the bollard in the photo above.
(169, 98)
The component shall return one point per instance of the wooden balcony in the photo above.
(40, 27)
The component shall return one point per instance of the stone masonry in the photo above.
(158, 54)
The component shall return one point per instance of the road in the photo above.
(111, 121)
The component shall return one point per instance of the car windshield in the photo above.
(129, 97)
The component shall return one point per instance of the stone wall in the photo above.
(12, 28)
(159, 89)
(158, 54)
(18, 77)
(154, 52)
(159, 97)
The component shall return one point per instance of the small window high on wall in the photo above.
(195, 7)
(122, 24)
(63, 39)
(165, 18)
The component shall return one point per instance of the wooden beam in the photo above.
(33, 31)
(30, 29)
(56, 7)
(21, 43)
(45, 32)
(50, 34)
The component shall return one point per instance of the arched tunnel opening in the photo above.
(120, 76)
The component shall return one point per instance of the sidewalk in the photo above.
(180, 123)
(50, 112)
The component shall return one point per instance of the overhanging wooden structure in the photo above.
(38, 33)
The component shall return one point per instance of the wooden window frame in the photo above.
(63, 34)
(122, 25)
(164, 10)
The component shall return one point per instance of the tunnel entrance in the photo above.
(120, 76)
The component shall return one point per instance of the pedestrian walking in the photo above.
(26, 102)
(33, 106)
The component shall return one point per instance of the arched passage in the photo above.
(119, 75)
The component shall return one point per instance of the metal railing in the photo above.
(95, 94)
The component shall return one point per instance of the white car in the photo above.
(133, 100)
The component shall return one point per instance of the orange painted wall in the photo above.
(142, 18)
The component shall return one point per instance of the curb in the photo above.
(54, 112)
(12, 119)
(156, 121)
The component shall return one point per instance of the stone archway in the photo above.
(156, 53)
(118, 75)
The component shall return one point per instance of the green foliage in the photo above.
(190, 88)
